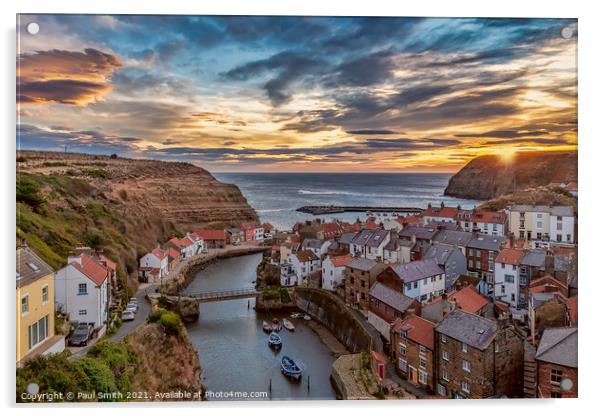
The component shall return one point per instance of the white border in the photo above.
(590, 24)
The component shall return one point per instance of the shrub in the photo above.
(96, 173)
(99, 374)
(171, 322)
(28, 192)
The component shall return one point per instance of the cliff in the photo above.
(487, 177)
(121, 206)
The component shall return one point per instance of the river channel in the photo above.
(232, 346)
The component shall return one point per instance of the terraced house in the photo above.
(477, 357)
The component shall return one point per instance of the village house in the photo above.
(413, 350)
(153, 266)
(253, 231)
(110, 265)
(82, 289)
(467, 299)
(507, 275)
(299, 266)
(386, 305)
(185, 245)
(459, 239)
(173, 257)
(485, 222)
(556, 358)
(35, 307)
(318, 247)
(439, 214)
(543, 224)
(420, 237)
(397, 251)
(333, 230)
(481, 252)
(212, 239)
(234, 236)
(345, 241)
(476, 358)
(333, 271)
(370, 243)
(360, 275)
(423, 279)
(550, 305)
(450, 259)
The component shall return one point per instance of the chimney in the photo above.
(511, 240)
(81, 249)
(74, 257)
(413, 238)
(549, 262)
(442, 204)
(410, 312)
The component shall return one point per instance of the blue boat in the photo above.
(289, 368)
(274, 341)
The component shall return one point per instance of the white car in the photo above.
(132, 308)
(127, 315)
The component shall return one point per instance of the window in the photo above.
(82, 312)
(434, 278)
(559, 226)
(422, 377)
(445, 375)
(503, 288)
(422, 349)
(408, 286)
(422, 362)
(508, 278)
(464, 347)
(441, 390)
(82, 289)
(25, 304)
(402, 349)
(539, 224)
(555, 376)
(445, 355)
(38, 332)
(497, 347)
(44, 293)
(443, 339)
(521, 234)
(465, 387)
(416, 285)
(466, 366)
(568, 237)
(503, 265)
(403, 365)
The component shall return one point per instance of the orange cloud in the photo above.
(55, 76)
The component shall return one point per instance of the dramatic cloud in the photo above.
(66, 77)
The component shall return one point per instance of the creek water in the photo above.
(233, 349)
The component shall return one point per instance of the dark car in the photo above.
(80, 336)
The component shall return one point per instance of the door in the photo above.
(412, 375)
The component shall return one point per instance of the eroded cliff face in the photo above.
(488, 177)
(122, 206)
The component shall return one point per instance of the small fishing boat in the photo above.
(296, 315)
(266, 327)
(307, 317)
(288, 324)
(289, 368)
(274, 341)
(276, 325)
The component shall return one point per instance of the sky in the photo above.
(286, 94)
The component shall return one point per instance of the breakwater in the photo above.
(337, 209)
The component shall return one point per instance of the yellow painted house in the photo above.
(35, 307)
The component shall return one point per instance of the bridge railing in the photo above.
(222, 293)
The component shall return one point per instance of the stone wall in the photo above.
(331, 312)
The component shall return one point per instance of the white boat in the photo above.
(296, 315)
(288, 324)
(307, 317)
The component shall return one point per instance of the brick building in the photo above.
(412, 350)
(360, 275)
(388, 304)
(476, 359)
(556, 360)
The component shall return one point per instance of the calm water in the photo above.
(233, 347)
(276, 196)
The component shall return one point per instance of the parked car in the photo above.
(131, 307)
(80, 336)
(127, 315)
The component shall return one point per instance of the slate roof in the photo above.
(456, 238)
(393, 298)
(30, 267)
(486, 242)
(421, 233)
(534, 258)
(474, 330)
(346, 238)
(361, 238)
(312, 243)
(361, 263)
(376, 238)
(558, 346)
(417, 270)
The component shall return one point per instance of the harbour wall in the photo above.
(331, 312)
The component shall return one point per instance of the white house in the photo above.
(82, 290)
(442, 214)
(299, 266)
(506, 275)
(487, 222)
(543, 223)
(423, 279)
(397, 251)
(562, 225)
(370, 243)
(153, 266)
(333, 271)
(318, 247)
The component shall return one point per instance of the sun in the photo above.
(506, 154)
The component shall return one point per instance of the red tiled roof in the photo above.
(418, 330)
(546, 280)
(341, 261)
(379, 357)
(445, 212)
(510, 256)
(173, 253)
(249, 225)
(409, 219)
(110, 264)
(371, 224)
(468, 299)
(91, 269)
(185, 242)
(306, 255)
(158, 253)
(495, 217)
(212, 234)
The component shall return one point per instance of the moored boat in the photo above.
(288, 324)
(307, 317)
(276, 325)
(289, 368)
(274, 341)
(266, 327)
(296, 315)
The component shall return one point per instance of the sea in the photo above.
(277, 196)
